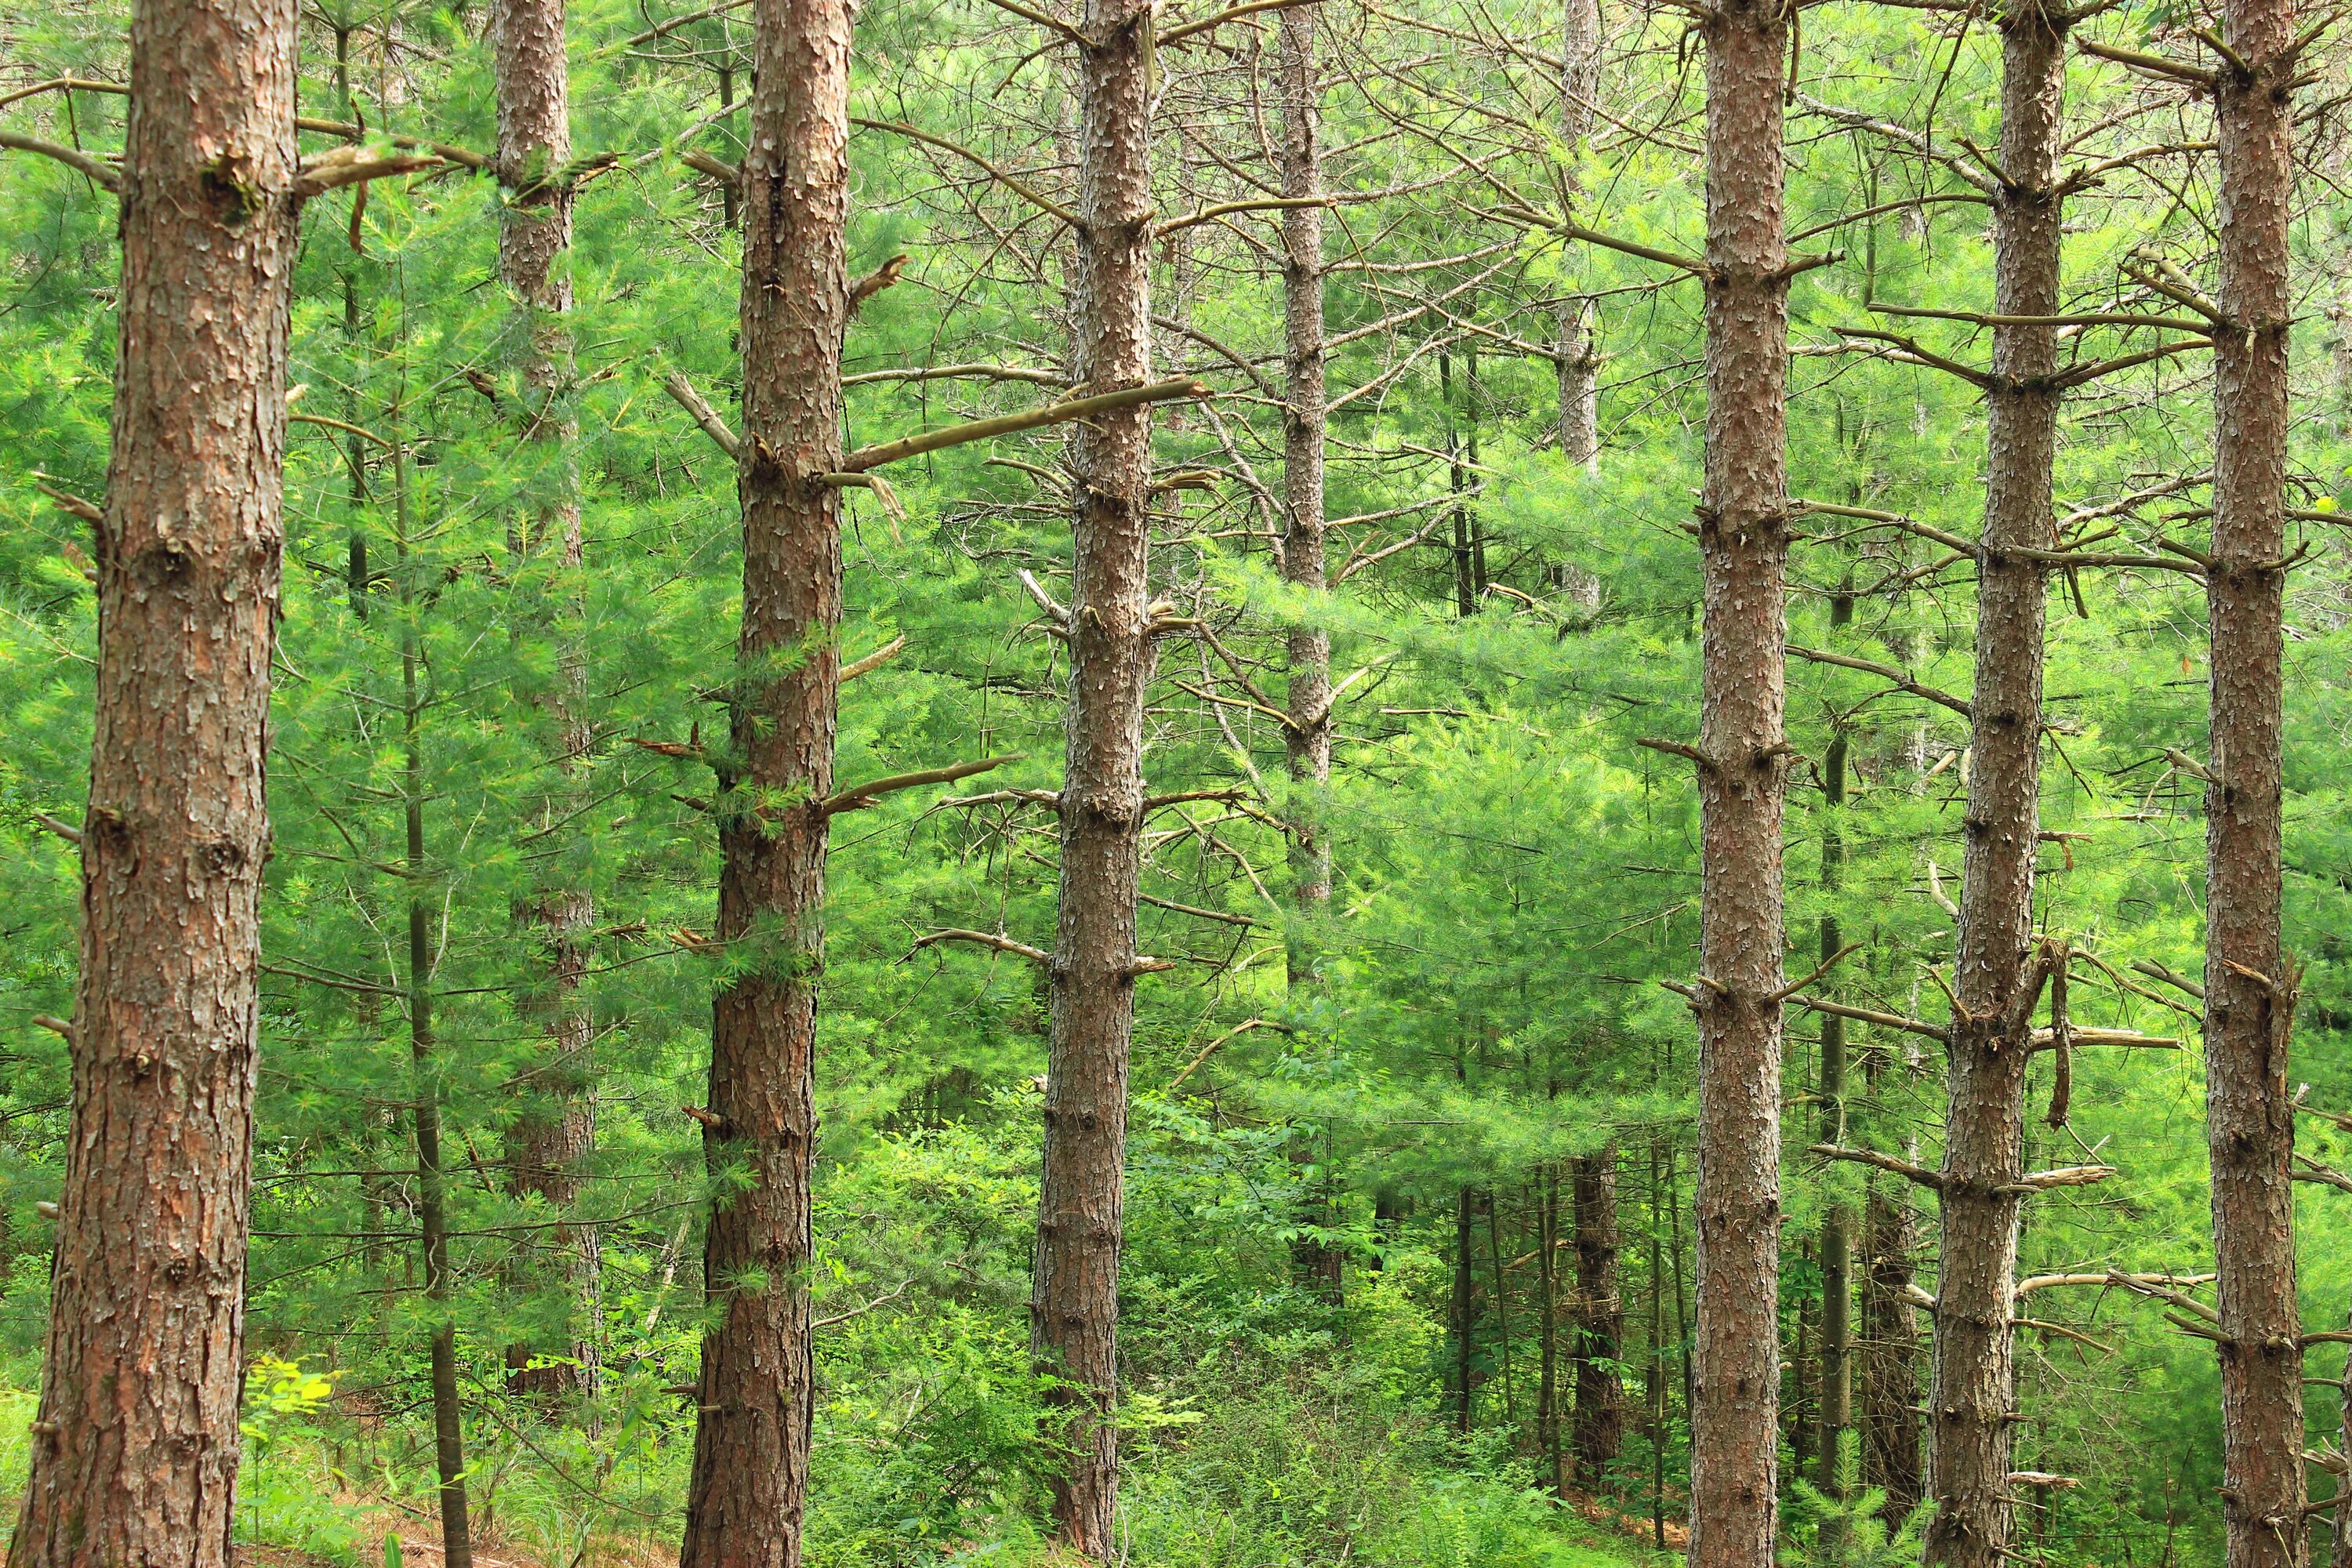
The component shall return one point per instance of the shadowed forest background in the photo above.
(1408, 1232)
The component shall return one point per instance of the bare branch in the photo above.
(678, 387)
(81, 162)
(863, 796)
(1932, 1180)
(867, 458)
(983, 938)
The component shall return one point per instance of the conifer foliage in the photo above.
(1306, 781)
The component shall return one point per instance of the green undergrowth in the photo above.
(1293, 1474)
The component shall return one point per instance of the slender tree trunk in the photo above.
(749, 1484)
(1465, 1304)
(1744, 545)
(2339, 1554)
(134, 1451)
(1551, 1450)
(1074, 1302)
(1307, 737)
(2249, 983)
(1889, 1340)
(1580, 343)
(1836, 1410)
(1798, 1410)
(1502, 1304)
(1974, 1393)
(1600, 1330)
(557, 1128)
(432, 1183)
(1653, 1391)
(1465, 586)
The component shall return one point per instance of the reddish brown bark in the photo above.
(1744, 544)
(1598, 1423)
(1887, 1349)
(1307, 737)
(1835, 1407)
(1973, 1393)
(134, 1451)
(1550, 1398)
(2249, 980)
(556, 1131)
(1074, 1298)
(749, 1484)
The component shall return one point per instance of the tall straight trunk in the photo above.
(1502, 1304)
(556, 1130)
(1836, 1409)
(749, 1484)
(1550, 1451)
(1465, 1311)
(1466, 585)
(1580, 343)
(1889, 1346)
(1887, 1361)
(1307, 737)
(1744, 546)
(135, 1447)
(2250, 985)
(2339, 1554)
(1600, 1418)
(1653, 1380)
(431, 1181)
(1798, 1409)
(1074, 1299)
(1973, 1397)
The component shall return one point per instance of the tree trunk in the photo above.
(1890, 1350)
(1465, 1312)
(1835, 1408)
(1307, 737)
(750, 1483)
(2250, 982)
(1744, 544)
(1580, 343)
(432, 1184)
(1974, 1391)
(134, 1452)
(1599, 1419)
(556, 1130)
(1502, 1305)
(1074, 1303)
(2339, 1554)
(1551, 1452)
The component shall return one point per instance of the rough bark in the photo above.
(1599, 1422)
(1550, 1451)
(134, 1450)
(1464, 1311)
(1974, 1383)
(2249, 978)
(432, 1183)
(1888, 1349)
(1308, 737)
(750, 1483)
(1074, 1301)
(1835, 1408)
(2339, 1554)
(1744, 543)
(556, 1131)
(1580, 343)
